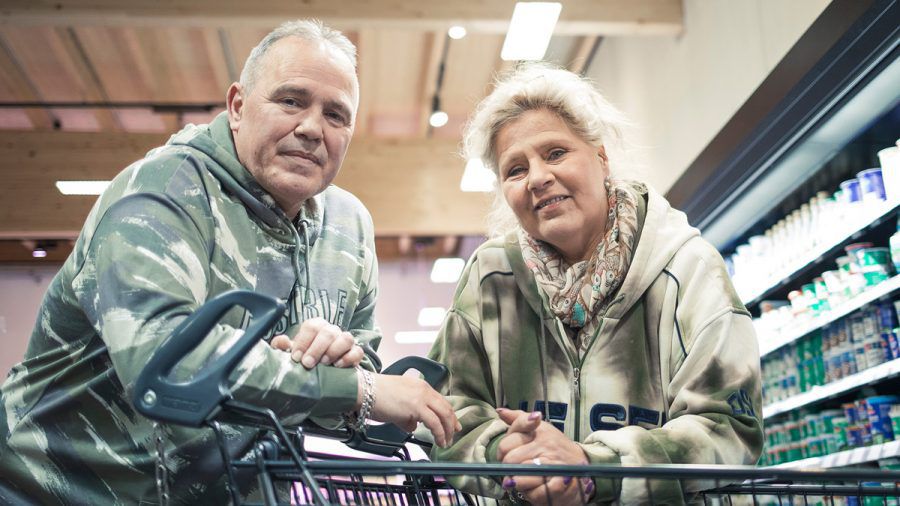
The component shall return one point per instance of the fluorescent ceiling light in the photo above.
(81, 187)
(530, 30)
(447, 270)
(415, 336)
(431, 316)
(457, 32)
(477, 177)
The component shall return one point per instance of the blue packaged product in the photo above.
(893, 343)
(871, 184)
(887, 316)
(879, 408)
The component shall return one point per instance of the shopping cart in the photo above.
(289, 474)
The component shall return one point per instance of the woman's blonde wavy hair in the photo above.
(533, 86)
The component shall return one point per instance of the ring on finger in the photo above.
(536, 461)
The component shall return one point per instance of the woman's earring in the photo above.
(606, 183)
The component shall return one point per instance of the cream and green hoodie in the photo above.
(672, 376)
(173, 230)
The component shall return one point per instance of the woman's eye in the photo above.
(556, 153)
(515, 171)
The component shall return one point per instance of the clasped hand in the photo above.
(529, 440)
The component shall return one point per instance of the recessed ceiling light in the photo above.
(415, 336)
(438, 119)
(530, 30)
(447, 270)
(431, 316)
(81, 187)
(457, 32)
(477, 177)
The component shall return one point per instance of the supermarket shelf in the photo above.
(848, 457)
(817, 393)
(874, 217)
(797, 331)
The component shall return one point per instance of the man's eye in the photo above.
(336, 117)
(290, 102)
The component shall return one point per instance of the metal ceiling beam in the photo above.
(578, 17)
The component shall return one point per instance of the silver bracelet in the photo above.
(359, 424)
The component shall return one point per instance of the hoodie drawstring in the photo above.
(304, 224)
(546, 390)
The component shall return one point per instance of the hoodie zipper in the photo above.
(576, 379)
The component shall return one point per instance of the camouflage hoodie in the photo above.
(671, 377)
(174, 229)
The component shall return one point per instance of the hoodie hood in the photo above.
(663, 230)
(214, 142)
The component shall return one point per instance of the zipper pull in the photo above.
(576, 383)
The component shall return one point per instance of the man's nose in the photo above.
(309, 126)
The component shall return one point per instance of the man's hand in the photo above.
(405, 401)
(529, 440)
(318, 341)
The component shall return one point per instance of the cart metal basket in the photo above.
(288, 474)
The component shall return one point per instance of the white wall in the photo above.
(21, 291)
(680, 91)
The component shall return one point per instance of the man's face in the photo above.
(292, 127)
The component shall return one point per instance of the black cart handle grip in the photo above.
(193, 402)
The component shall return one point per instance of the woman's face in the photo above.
(554, 182)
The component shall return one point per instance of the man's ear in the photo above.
(234, 100)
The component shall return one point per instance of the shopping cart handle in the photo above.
(193, 402)
(433, 372)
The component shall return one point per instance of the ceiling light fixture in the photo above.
(457, 32)
(415, 336)
(447, 270)
(39, 252)
(477, 177)
(530, 30)
(439, 117)
(81, 187)
(431, 316)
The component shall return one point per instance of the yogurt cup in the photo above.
(871, 185)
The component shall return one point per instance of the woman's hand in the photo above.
(318, 341)
(529, 440)
(406, 400)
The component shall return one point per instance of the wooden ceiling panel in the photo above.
(619, 17)
(48, 65)
(124, 72)
(392, 81)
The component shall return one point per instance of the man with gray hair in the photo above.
(245, 202)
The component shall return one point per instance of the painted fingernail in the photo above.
(308, 362)
(535, 415)
(297, 356)
(509, 483)
(325, 359)
(567, 480)
(589, 488)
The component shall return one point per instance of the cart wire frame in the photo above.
(287, 474)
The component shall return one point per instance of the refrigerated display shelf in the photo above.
(795, 332)
(854, 456)
(873, 217)
(821, 392)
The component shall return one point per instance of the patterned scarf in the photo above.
(579, 293)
